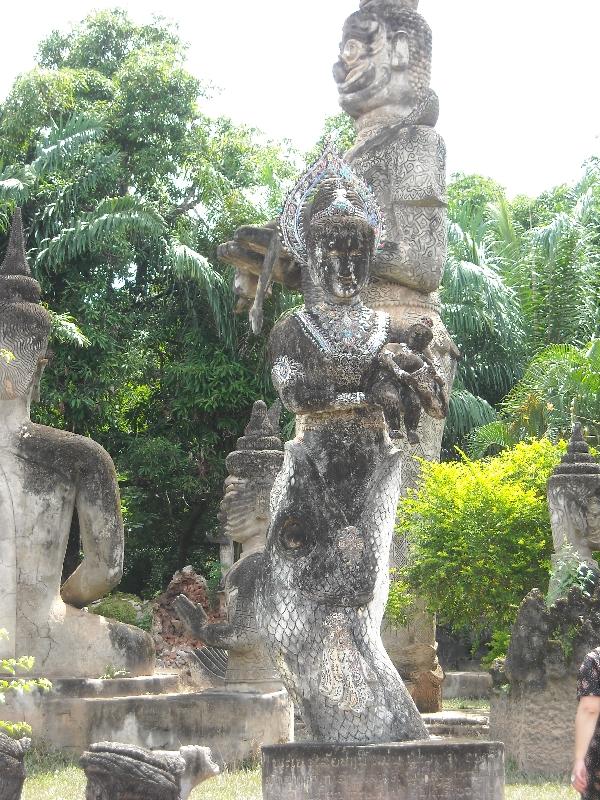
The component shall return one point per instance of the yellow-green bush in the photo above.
(480, 535)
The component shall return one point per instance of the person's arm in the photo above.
(586, 719)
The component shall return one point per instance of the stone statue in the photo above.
(325, 576)
(45, 476)
(12, 768)
(246, 515)
(574, 502)
(125, 772)
(383, 78)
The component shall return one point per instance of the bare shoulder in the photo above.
(70, 453)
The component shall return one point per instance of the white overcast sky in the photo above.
(518, 79)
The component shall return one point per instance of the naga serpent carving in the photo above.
(325, 578)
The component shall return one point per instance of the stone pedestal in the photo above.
(426, 770)
(537, 727)
(153, 713)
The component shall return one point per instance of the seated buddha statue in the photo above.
(46, 476)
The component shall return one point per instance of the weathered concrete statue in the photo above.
(12, 768)
(325, 572)
(45, 476)
(574, 502)
(383, 77)
(246, 515)
(125, 772)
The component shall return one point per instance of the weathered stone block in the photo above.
(466, 684)
(444, 770)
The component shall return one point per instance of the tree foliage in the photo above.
(480, 535)
(127, 187)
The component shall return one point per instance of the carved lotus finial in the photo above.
(577, 460)
(15, 260)
(16, 281)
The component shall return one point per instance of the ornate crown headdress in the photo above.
(328, 166)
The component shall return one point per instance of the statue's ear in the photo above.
(400, 50)
(35, 395)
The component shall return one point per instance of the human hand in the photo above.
(579, 776)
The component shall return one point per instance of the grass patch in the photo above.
(466, 704)
(53, 777)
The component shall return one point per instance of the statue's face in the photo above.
(340, 263)
(244, 509)
(373, 67)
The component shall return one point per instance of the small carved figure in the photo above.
(12, 768)
(125, 772)
(246, 515)
(45, 476)
(325, 570)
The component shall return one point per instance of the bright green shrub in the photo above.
(480, 535)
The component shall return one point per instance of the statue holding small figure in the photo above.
(46, 476)
(325, 575)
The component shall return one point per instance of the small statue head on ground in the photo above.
(385, 58)
(24, 323)
(574, 499)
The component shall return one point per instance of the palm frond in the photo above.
(490, 439)
(66, 330)
(61, 142)
(113, 216)
(466, 411)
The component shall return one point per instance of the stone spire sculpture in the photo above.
(325, 577)
(245, 514)
(46, 476)
(574, 502)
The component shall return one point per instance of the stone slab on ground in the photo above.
(444, 770)
(233, 724)
(466, 684)
(456, 724)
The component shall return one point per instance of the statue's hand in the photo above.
(193, 616)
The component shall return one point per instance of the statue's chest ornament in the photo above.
(349, 338)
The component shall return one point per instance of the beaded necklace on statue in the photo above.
(348, 336)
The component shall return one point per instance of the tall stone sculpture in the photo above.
(574, 503)
(383, 78)
(46, 476)
(124, 772)
(325, 572)
(246, 515)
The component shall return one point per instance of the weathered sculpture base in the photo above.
(537, 727)
(152, 713)
(444, 770)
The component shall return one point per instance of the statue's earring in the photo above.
(400, 51)
(41, 366)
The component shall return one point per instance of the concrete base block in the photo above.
(456, 725)
(427, 770)
(537, 727)
(466, 684)
(77, 713)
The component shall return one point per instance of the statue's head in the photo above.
(385, 58)
(340, 240)
(574, 496)
(252, 467)
(24, 323)
(331, 224)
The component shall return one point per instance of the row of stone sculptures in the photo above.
(119, 771)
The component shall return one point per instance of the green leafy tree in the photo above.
(480, 535)
(127, 187)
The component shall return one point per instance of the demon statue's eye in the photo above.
(293, 536)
